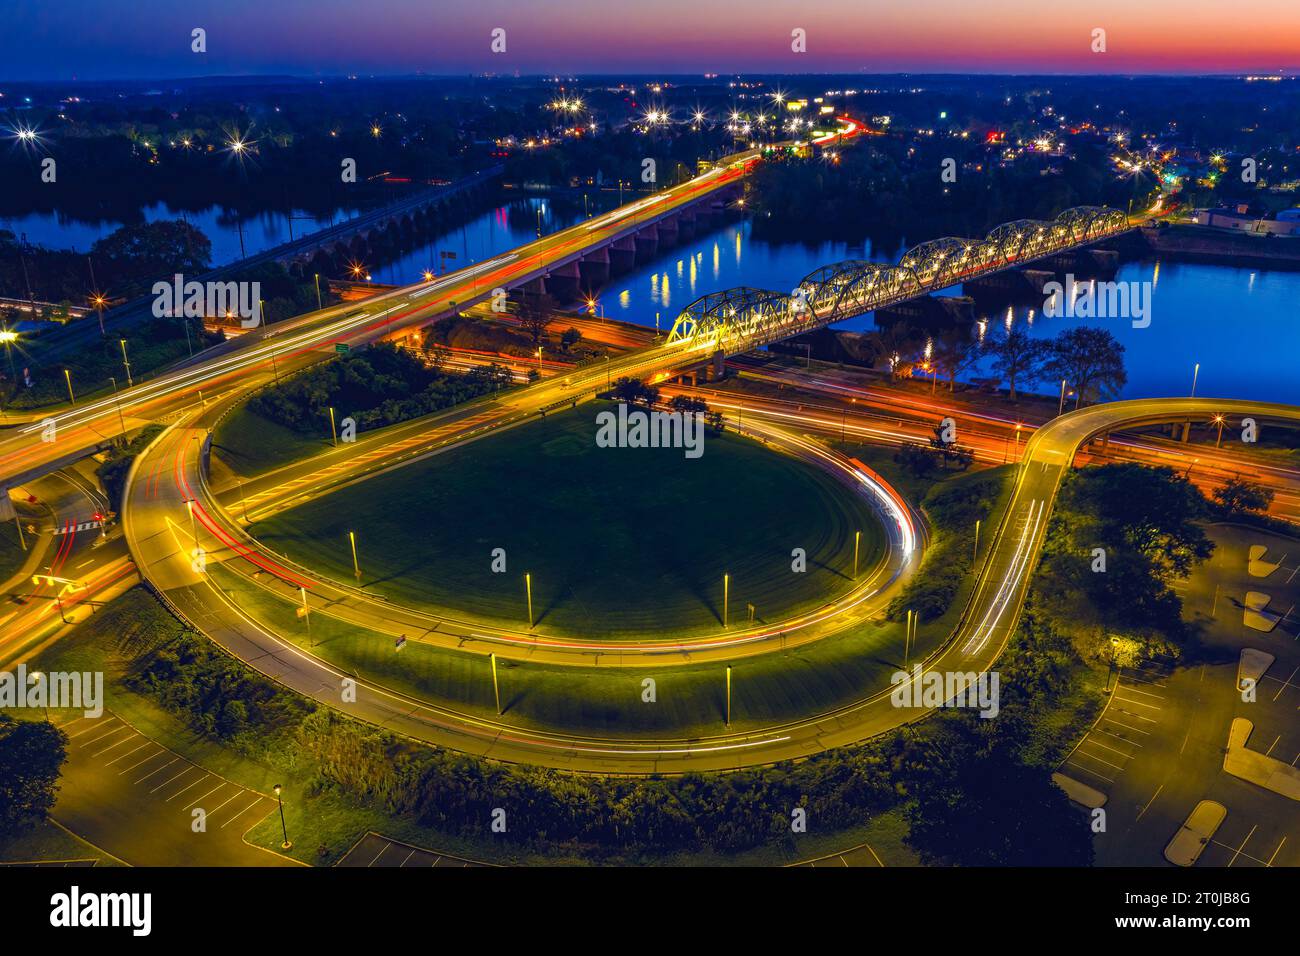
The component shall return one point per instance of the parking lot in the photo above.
(1158, 748)
(375, 850)
(123, 789)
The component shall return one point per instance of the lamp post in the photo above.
(118, 402)
(9, 337)
(1060, 406)
(334, 432)
(356, 568)
(726, 597)
(1195, 374)
(98, 302)
(528, 588)
(316, 276)
(857, 540)
(283, 829)
(1218, 420)
(67, 377)
(126, 362)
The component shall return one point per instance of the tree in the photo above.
(1005, 814)
(1090, 359)
(31, 758)
(1238, 497)
(1018, 358)
(687, 404)
(634, 391)
(950, 451)
(570, 338)
(915, 458)
(536, 312)
(955, 352)
(152, 250)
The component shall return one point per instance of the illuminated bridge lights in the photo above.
(743, 318)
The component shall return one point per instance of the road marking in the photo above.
(181, 773)
(115, 730)
(96, 726)
(152, 772)
(1275, 853)
(242, 812)
(205, 796)
(179, 792)
(128, 753)
(214, 810)
(124, 740)
(1243, 845)
(1149, 802)
(141, 761)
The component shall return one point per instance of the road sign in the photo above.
(342, 348)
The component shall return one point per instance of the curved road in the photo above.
(161, 544)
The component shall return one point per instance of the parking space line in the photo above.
(93, 727)
(128, 753)
(407, 860)
(242, 812)
(1101, 776)
(115, 730)
(74, 722)
(213, 811)
(141, 761)
(1139, 703)
(1275, 853)
(205, 796)
(194, 784)
(159, 770)
(1149, 802)
(1136, 730)
(1099, 759)
(1098, 743)
(1243, 846)
(124, 740)
(1120, 737)
(1147, 692)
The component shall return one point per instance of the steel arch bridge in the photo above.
(743, 318)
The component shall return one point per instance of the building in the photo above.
(1240, 219)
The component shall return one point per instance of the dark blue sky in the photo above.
(60, 39)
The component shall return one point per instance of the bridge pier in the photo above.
(7, 511)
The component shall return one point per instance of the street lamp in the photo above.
(1218, 420)
(67, 376)
(283, 829)
(9, 337)
(98, 301)
(126, 362)
(1195, 374)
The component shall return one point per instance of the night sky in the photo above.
(94, 39)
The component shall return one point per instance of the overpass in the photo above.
(268, 352)
(332, 245)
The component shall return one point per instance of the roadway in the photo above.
(268, 352)
(158, 536)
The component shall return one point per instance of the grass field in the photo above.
(691, 700)
(250, 444)
(618, 542)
